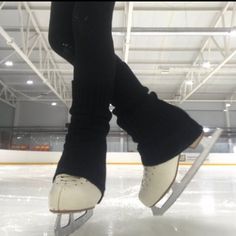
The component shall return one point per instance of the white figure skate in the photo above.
(69, 195)
(158, 180)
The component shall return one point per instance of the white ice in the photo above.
(207, 207)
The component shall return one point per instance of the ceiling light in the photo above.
(233, 32)
(29, 82)
(205, 129)
(53, 103)
(189, 82)
(9, 63)
(206, 64)
(228, 105)
(165, 72)
(225, 110)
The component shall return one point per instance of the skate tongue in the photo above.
(68, 177)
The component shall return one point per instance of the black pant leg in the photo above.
(84, 151)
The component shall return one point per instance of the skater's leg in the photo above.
(94, 68)
(145, 117)
(161, 130)
(60, 34)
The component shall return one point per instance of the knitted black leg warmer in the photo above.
(161, 130)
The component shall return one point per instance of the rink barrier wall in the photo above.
(127, 158)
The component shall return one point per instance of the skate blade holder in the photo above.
(178, 187)
(72, 225)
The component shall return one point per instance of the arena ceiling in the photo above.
(184, 51)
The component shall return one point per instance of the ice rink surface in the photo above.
(207, 207)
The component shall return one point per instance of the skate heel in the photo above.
(197, 141)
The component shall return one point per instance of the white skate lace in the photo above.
(147, 176)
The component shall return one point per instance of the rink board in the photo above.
(44, 157)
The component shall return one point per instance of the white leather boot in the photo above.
(72, 194)
(158, 179)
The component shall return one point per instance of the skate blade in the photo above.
(73, 224)
(178, 187)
